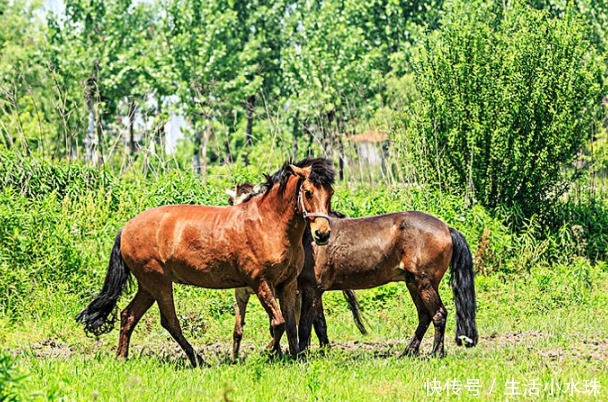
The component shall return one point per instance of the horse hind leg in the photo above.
(169, 321)
(287, 301)
(424, 320)
(320, 324)
(241, 299)
(432, 301)
(129, 318)
(307, 318)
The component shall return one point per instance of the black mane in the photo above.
(246, 188)
(322, 173)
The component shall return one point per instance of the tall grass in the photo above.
(57, 222)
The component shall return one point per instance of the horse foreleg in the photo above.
(298, 307)
(169, 321)
(424, 320)
(277, 322)
(129, 318)
(287, 301)
(241, 298)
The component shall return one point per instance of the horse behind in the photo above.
(411, 247)
(258, 244)
(242, 193)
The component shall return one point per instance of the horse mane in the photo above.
(322, 173)
(248, 189)
(336, 214)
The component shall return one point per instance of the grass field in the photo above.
(537, 343)
(542, 302)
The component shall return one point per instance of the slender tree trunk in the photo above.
(132, 126)
(295, 136)
(250, 109)
(230, 116)
(159, 138)
(311, 139)
(340, 128)
(91, 138)
(197, 152)
(340, 159)
(206, 137)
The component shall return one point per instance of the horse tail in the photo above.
(99, 316)
(463, 288)
(355, 308)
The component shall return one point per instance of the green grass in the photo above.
(523, 339)
(541, 290)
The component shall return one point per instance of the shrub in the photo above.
(506, 101)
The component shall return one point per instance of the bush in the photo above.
(506, 101)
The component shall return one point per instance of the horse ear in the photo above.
(231, 193)
(302, 172)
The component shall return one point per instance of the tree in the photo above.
(507, 99)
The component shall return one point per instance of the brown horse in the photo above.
(406, 246)
(242, 193)
(257, 244)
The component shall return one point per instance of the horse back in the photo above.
(369, 252)
(192, 244)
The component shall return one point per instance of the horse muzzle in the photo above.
(321, 239)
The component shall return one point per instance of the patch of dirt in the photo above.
(169, 351)
(514, 338)
(394, 347)
(585, 349)
(48, 348)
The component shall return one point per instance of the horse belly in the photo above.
(349, 275)
(213, 276)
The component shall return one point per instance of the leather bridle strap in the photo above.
(305, 213)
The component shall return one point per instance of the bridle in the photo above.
(305, 213)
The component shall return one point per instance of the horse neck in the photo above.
(280, 207)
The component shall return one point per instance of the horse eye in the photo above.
(308, 194)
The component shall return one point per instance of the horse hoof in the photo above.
(438, 354)
(410, 353)
(201, 363)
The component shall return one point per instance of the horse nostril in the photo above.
(322, 237)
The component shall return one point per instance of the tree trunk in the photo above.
(90, 139)
(94, 137)
(132, 126)
(250, 108)
(197, 152)
(295, 136)
(206, 137)
(340, 159)
(230, 125)
(159, 138)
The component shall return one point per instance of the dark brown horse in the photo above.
(257, 244)
(242, 193)
(413, 247)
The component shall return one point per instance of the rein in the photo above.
(305, 213)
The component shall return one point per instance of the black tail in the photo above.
(463, 288)
(99, 317)
(354, 306)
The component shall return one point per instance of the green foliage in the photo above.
(38, 178)
(507, 99)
